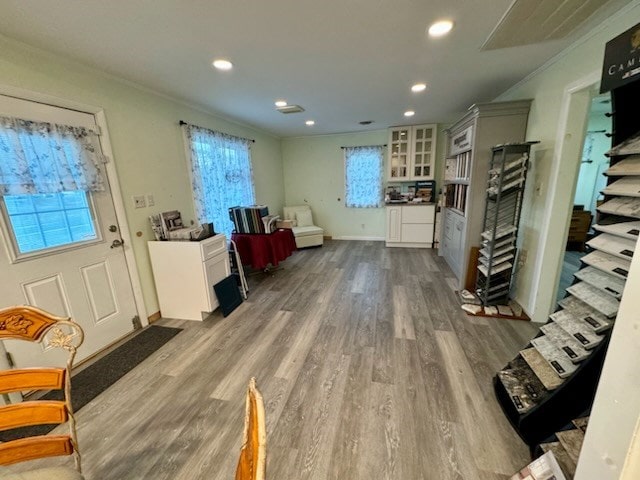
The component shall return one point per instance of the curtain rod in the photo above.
(182, 122)
(359, 146)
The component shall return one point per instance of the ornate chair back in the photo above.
(34, 325)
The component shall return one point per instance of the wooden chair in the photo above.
(252, 464)
(35, 325)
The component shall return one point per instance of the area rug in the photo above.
(97, 377)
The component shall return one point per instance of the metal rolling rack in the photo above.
(505, 189)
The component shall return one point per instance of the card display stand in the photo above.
(587, 313)
(505, 189)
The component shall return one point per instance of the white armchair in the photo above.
(301, 221)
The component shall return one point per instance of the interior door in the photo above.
(87, 280)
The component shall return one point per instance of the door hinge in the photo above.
(10, 360)
(137, 324)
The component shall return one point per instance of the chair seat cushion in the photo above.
(307, 231)
(51, 473)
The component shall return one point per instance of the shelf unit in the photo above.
(412, 151)
(467, 162)
(587, 313)
(503, 203)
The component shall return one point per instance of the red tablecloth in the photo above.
(260, 250)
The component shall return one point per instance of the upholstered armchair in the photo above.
(300, 220)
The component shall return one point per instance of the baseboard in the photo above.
(370, 239)
(155, 317)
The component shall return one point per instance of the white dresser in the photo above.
(410, 225)
(185, 273)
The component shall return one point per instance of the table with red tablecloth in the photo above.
(260, 250)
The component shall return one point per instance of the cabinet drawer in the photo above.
(213, 246)
(417, 232)
(418, 214)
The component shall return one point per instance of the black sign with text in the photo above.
(621, 60)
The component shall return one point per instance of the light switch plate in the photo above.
(139, 201)
(150, 200)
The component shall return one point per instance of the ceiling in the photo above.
(343, 61)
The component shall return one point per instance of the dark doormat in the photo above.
(96, 378)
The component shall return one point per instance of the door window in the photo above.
(46, 221)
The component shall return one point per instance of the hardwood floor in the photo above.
(368, 368)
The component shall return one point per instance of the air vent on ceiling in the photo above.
(290, 109)
(534, 21)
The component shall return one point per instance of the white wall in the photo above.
(314, 174)
(146, 139)
(546, 87)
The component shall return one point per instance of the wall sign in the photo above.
(621, 60)
(461, 142)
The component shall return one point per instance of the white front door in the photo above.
(84, 277)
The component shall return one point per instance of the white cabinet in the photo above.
(466, 172)
(410, 226)
(412, 152)
(185, 273)
(452, 240)
(394, 223)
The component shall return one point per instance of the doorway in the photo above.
(589, 184)
(63, 252)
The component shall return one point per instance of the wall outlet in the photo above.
(150, 200)
(139, 201)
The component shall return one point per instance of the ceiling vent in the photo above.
(290, 109)
(533, 21)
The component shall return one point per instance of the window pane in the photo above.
(18, 204)
(47, 202)
(60, 219)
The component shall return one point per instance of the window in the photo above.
(363, 176)
(221, 175)
(49, 220)
(46, 173)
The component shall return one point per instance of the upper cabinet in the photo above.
(412, 152)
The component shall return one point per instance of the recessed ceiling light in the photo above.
(409, 113)
(281, 103)
(418, 87)
(440, 28)
(310, 123)
(222, 64)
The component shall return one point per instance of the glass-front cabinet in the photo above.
(412, 152)
(423, 151)
(399, 153)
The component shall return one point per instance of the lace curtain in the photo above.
(364, 176)
(221, 175)
(41, 157)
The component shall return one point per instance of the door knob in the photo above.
(117, 243)
(113, 228)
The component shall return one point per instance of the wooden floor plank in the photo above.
(368, 368)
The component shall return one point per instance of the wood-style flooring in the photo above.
(368, 368)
